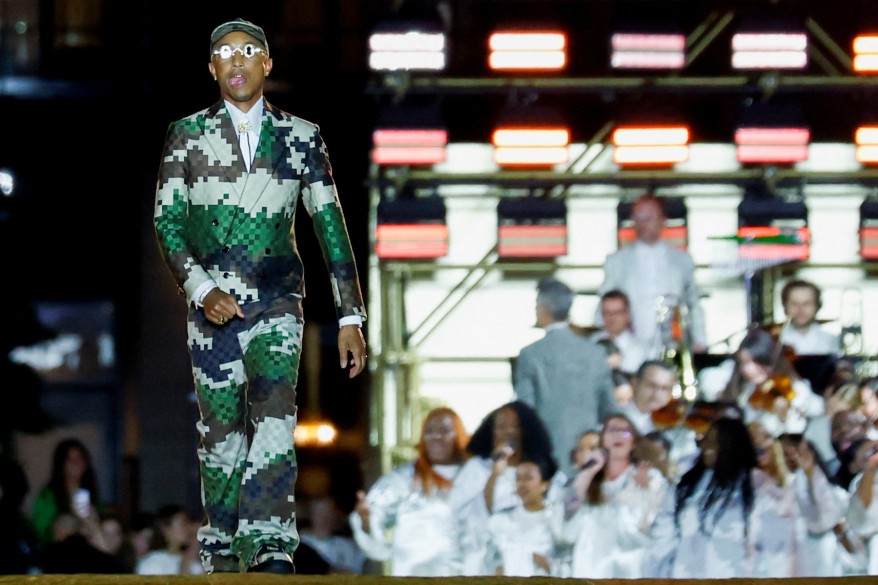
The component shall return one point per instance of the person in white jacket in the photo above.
(414, 515)
(611, 505)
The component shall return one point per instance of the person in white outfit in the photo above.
(611, 505)
(716, 522)
(655, 276)
(523, 539)
(505, 436)
(801, 301)
(413, 516)
(765, 384)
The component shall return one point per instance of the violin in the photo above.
(766, 394)
(695, 416)
(779, 384)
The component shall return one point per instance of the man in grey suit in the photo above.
(564, 375)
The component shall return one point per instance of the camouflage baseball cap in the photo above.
(239, 24)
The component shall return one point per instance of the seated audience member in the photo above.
(174, 549)
(522, 540)
(801, 301)
(117, 541)
(611, 505)
(140, 534)
(323, 534)
(18, 541)
(77, 546)
(72, 471)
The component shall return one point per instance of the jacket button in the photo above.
(226, 249)
(267, 251)
(215, 222)
(225, 274)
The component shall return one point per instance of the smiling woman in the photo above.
(413, 516)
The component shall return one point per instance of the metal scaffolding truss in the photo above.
(396, 410)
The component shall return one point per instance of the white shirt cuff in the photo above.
(351, 320)
(201, 292)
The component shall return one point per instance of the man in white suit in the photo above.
(564, 376)
(653, 273)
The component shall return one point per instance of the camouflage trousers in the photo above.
(245, 379)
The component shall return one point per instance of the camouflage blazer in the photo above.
(214, 220)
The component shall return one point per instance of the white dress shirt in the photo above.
(811, 341)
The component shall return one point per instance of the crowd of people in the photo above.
(602, 468)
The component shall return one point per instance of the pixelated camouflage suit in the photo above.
(214, 220)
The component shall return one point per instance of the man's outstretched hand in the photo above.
(352, 349)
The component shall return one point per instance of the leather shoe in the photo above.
(275, 566)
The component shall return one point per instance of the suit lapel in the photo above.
(269, 152)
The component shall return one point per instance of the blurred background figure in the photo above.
(323, 533)
(625, 352)
(563, 376)
(174, 548)
(72, 477)
(414, 515)
(523, 540)
(611, 505)
(78, 546)
(709, 525)
(18, 540)
(801, 302)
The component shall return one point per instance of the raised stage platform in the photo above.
(250, 579)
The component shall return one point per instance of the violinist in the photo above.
(801, 301)
(765, 385)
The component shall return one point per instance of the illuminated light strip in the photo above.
(778, 145)
(408, 155)
(675, 235)
(408, 50)
(531, 137)
(530, 146)
(409, 146)
(527, 50)
(769, 60)
(869, 242)
(651, 136)
(532, 241)
(771, 153)
(631, 155)
(647, 51)
(772, 251)
(527, 60)
(867, 153)
(865, 54)
(769, 51)
(411, 240)
(537, 155)
(769, 42)
(650, 145)
(772, 136)
(866, 138)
